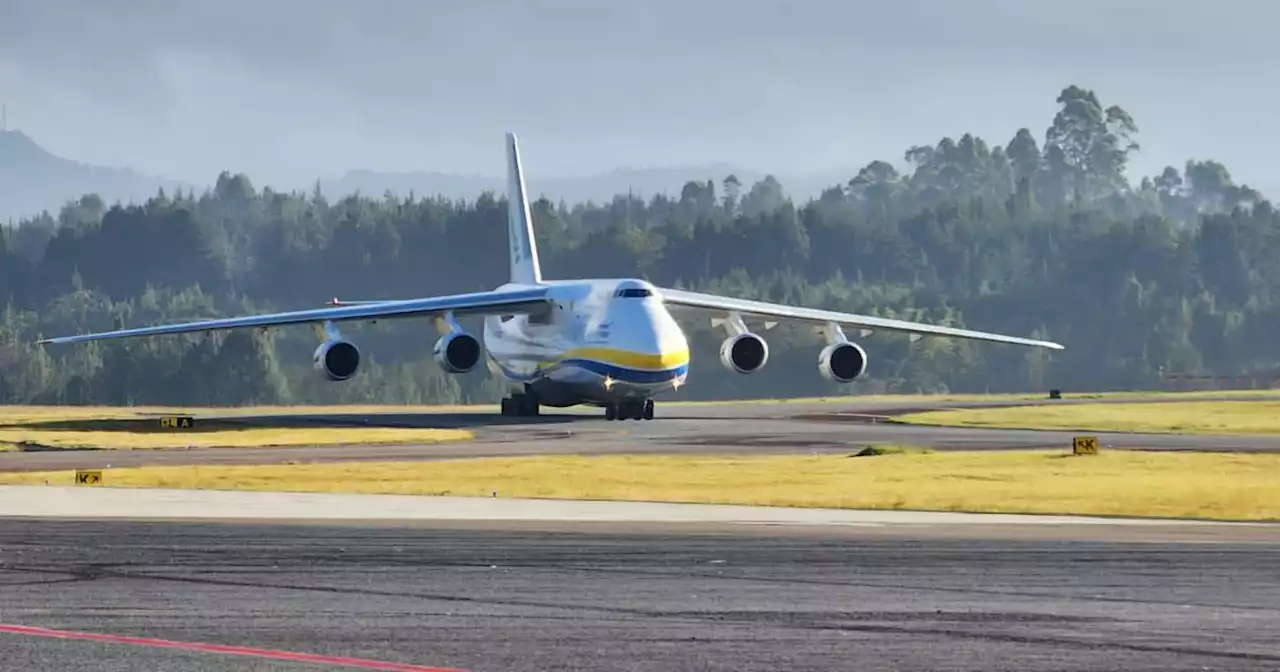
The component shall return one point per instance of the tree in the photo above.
(732, 189)
(875, 186)
(1092, 144)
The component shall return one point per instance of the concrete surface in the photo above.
(129, 503)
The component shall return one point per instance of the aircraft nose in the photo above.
(663, 336)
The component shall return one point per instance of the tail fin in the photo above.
(523, 247)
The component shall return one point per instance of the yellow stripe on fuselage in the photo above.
(627, 358)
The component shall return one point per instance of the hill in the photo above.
(1176, 274)
(600, 188)
(33, 179)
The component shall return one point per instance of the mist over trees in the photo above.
(1042, 234)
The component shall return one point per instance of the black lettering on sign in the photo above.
(1085, 445)
(177, 422)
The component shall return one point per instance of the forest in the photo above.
(1043, 235)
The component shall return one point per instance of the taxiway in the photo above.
(748, 427)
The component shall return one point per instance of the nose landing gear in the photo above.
(629, 409)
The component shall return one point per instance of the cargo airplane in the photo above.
(611, 343)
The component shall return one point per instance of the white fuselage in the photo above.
(603, 340)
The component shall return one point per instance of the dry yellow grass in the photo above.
(910, 399)
(226, 438)
(137, 428)
(1196, 485)
(18, 414)
(1191, 417)
(25, 414)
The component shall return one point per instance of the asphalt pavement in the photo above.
(426, 597)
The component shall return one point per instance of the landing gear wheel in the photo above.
(520, 405)
(629, 409)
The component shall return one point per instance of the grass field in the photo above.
(1191, 417)
(106, 428)
(908, 399)
(1194, 485)
(115, 428)
(24, 439)
(12, 414)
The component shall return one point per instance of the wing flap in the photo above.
(500, 301)
(775, 311)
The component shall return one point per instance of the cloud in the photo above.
(292, 89)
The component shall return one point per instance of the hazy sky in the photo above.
(288, 90)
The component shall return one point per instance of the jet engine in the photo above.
(744, 353)
(337, 360)
(457, 352)
(842, 362)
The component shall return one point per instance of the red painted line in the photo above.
(339, 661)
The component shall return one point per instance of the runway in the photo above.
(460, 596)
(732, 428)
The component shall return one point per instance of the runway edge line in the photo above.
(200, 647)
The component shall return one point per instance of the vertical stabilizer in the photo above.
(523, 248)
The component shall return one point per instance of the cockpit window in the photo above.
(633, 292)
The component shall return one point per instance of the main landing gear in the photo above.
(521, 404)
(629, 409)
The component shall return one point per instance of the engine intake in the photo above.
(842, 362)
(744, 353)
(337, 360)
(457, 352)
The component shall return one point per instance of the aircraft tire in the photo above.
(520, 405)
(629, 409)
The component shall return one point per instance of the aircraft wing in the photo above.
(479, 303)
(678, 298)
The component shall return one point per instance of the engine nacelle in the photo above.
(842, 362)
(337, 360)
(457, 352)
(744, 353)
